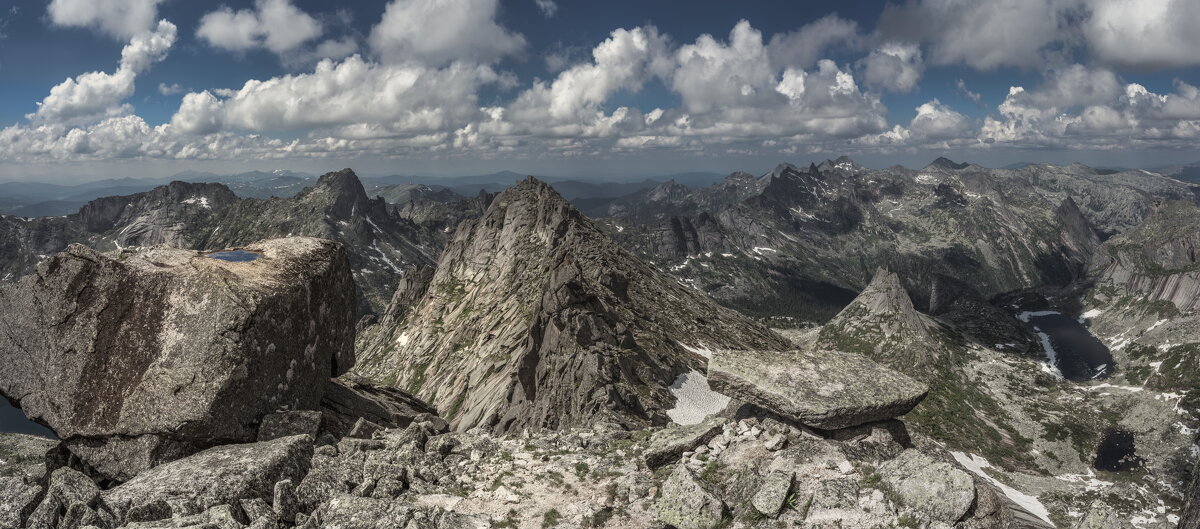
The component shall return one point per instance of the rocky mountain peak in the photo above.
(947, 164)
(535, 319)
(667, 191)
(104, 213)
(842, 163)
(341, 193)
(881, 321)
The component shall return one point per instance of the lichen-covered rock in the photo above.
(1191, 512)
(668, 444)
(18, 499)
(822, 389)
(687, 503)
(221, 475)
(151, 355)
(936, 489)
(773, 493)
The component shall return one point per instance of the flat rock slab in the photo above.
(143, 356)
(216, 476)
(822, 389)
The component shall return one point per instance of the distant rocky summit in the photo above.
(146, 356)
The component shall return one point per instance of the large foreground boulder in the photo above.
(150, 355)
(217, 476)
(823, 389)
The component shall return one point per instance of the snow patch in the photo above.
(760, 249)
(699, 349)
(1025, 316)
(1091, 313)
(928, 179)
(694, 400)
(201, 201)
(976, 464)
(1090, 482)
(1131, 389)
(1156, 324)
(1051, 364)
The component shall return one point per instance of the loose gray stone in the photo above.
(285, 501)
(364, 429)
(667, 445)
(687, 503)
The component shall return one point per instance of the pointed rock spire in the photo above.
(882, 323)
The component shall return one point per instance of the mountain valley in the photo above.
(830, 346)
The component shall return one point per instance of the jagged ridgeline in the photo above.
(535, 319)
(802, 241)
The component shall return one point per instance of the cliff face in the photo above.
(534, 319)
(1159, 260)
(151, 355)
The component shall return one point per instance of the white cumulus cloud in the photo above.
(276, 25)
(1144, 34)
(465, 30)
(896, 67)
(548, 7)
(120, 18)
(93, 95)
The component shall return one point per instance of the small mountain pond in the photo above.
(1071, 350)
(236, 256)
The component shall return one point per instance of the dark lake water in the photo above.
(1116, 452)
(237, 256)
(12, 420)
(1071, 348)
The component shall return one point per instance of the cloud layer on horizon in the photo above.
(408, 88)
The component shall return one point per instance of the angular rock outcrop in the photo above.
(668, 444)
(154, 354)
(216, 476)
(882, 323)
(823, 389)
(535, 319)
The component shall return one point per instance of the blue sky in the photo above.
(100, 88)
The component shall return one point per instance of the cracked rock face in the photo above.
(151, 355)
